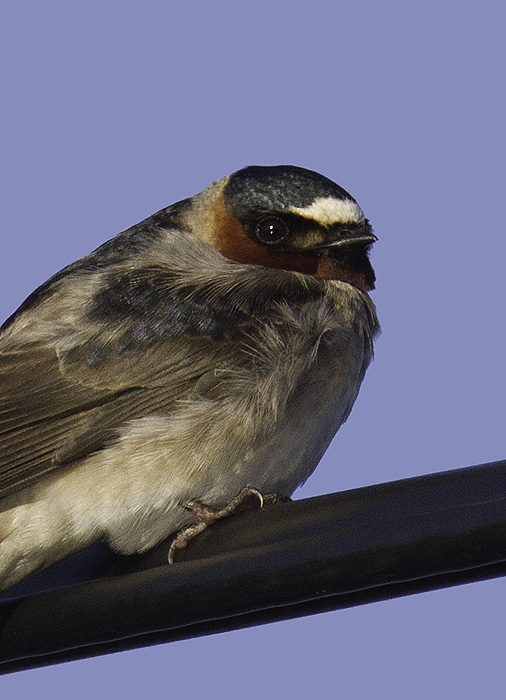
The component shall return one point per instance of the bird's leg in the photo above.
(206, 515)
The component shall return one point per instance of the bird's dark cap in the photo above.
(278, 188)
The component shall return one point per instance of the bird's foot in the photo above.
(206, 514)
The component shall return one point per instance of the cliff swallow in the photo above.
(217, 345)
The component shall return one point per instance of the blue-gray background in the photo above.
(112, 110)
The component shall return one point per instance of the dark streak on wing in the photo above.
(114, 251)
(155, 309)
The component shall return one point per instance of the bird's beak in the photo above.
(350, 238)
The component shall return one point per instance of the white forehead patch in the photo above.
(329, 210)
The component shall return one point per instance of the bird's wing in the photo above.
(50, 418)
(144, 345)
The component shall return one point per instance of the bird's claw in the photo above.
(206, 515)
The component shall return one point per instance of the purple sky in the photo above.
(114, 110)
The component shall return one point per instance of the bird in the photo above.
(208, 353)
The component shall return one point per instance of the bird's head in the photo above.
(289, 218)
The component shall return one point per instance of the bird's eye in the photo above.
(271, 230)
